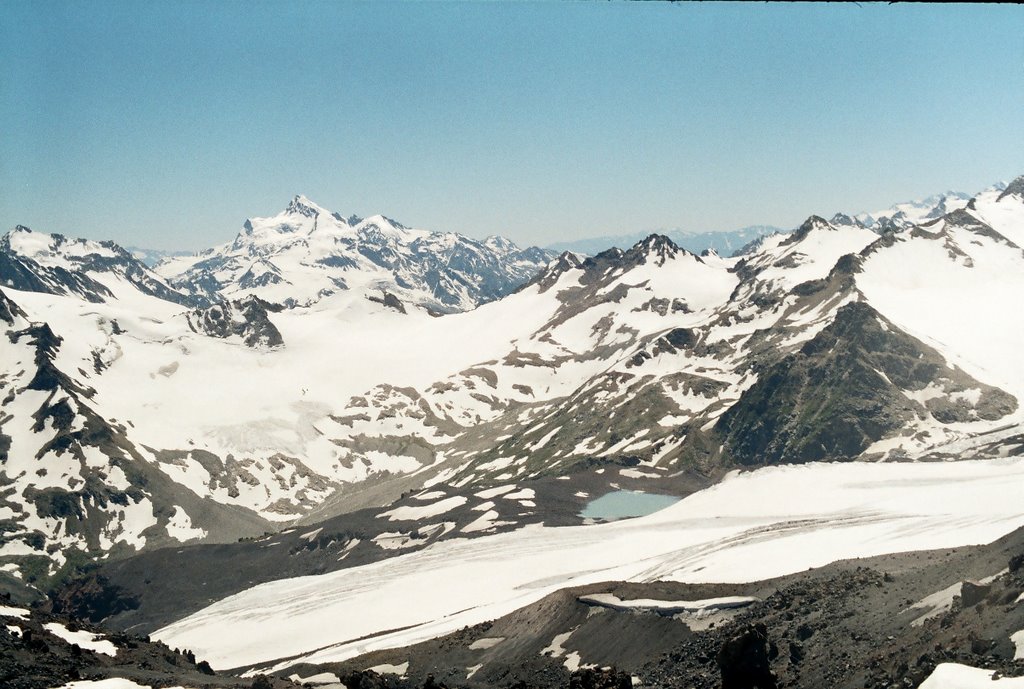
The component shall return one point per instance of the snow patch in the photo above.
(955, 676)
(87, 640)
(8, 611)
(321, 678)
(388, 669)
(416, 512)
(609, 600)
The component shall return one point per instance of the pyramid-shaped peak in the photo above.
(655, 244)
(657, 247)
(302, 205)
(815, 222)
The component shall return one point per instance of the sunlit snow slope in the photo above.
(751, 526)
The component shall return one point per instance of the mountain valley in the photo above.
(336, 444)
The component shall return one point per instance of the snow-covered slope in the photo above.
(95, 271)
(751, 526)
(306, 253)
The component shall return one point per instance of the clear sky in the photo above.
(166, 124)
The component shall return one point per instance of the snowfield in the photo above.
(752, 526)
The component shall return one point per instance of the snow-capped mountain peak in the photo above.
(307, 253)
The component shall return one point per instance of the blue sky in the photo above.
(167, 124)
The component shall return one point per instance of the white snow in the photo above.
(752, 526)
(110, 683)
(941, 601)
(416, 512)
(429, 495)
(522, 494)
(482, 523)
(9, 611)
(1018, 642)
(179, 526)
(954, 676)
(556, 648)
(573, 661)
(486, 642)
(636, 473)
(935, 603)
(494, 492)
(388, 669)
(964, 311)
(87, 640)
(609, 600)
(319, 678)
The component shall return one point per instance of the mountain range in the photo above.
(734, 242)
(328, 396)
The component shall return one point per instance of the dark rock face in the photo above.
(744, 661)
(28, 276)
(91, 597)
(610, 678)
(247, 318)
(46, 343)
(1016, 187)
(390, 300)
(9, 310)
(843, 390)
(32, 656)
(368, 679)
(971, 593)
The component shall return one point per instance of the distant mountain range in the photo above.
(724, 243)
(734, 242)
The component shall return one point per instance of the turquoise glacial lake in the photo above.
(623, 504)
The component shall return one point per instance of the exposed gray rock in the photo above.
(246, 318)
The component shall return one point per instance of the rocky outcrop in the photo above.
(246, 318)
(744, 660)
(848, 387)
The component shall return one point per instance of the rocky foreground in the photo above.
(878, 623)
